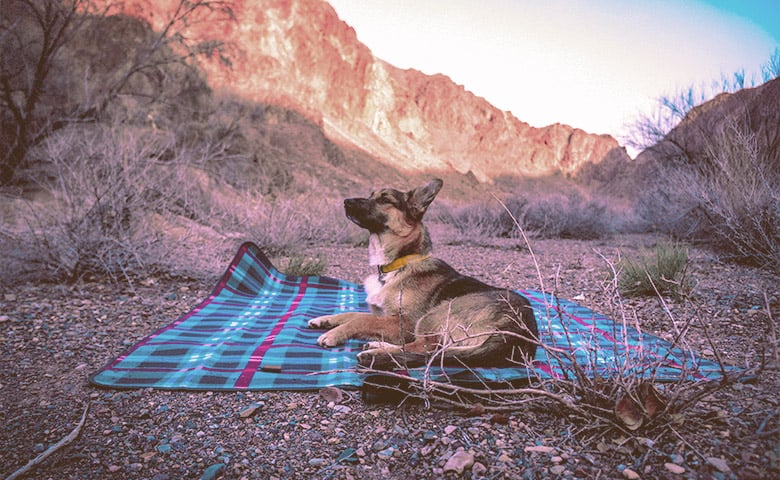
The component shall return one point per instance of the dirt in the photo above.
(53, 337)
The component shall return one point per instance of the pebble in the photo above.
(386, 453)
(504, 458)
(247, 412)
(719, 463)
(459, 462)
(478, 469)
(630, 474)
(557, 470)
(539, 449)
(449, 429)
(674, 468)
(318, 462)
(213, 471)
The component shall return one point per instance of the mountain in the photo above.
(300, 55)
(755, 111)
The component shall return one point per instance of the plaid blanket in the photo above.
(251, 334)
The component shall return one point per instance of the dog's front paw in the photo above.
(321, 323)
(330, 339)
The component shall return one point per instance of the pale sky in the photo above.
(591, 64)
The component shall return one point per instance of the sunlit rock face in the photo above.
(299, 54)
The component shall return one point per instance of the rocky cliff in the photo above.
(299, 54)
(755, 111)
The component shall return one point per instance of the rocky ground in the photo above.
(52, 337)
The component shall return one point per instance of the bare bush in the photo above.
(729, 197)
(601, 390)
(284, 226)
(108, 190)
(738, 191)
(568, 215)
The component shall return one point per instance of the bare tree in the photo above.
(41, 90)
(648, 129)
(771, 69)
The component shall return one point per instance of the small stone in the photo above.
(213, 471)
(427, 449)
(504, 458)
(386, 453)
(114, 468)
(459, 462)
(556, 459)
(164, 448)
(449, 429)
(3, 318)
(478, 469)
(247, 412)
(557, 470)
(318, 462)
(719, 463)
(674, 468)
(630, 474)
(539, 449)
(379, 445)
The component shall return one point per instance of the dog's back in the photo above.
(475, 324)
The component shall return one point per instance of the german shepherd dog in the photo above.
(420, 306)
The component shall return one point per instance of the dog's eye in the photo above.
(384, 199)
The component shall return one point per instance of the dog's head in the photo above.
(390, 210)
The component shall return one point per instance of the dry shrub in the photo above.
(284, 226)
(103, 184)
(477, 222)
(730, 197)
(738, 191)
(625, 399)
(568, 214)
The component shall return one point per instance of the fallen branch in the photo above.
(67, 440)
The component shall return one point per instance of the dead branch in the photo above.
(67, 440)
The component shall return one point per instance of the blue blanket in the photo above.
(251, 334)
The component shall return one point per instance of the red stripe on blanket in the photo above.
(256, 358)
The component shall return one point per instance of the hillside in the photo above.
(300, 55)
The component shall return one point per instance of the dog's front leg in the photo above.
(363, 325)
(329, 321)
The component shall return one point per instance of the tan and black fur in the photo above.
(420, 305)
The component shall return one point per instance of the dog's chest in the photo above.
(376, 289)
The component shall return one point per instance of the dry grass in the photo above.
(660, 271)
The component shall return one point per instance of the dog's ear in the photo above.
(420, 198)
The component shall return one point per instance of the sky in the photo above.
(591, 64)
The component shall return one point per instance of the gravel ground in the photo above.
(52, 337)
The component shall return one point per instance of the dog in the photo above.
(420, 306)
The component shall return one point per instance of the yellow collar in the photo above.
(401, 262)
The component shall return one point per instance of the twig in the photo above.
(49, 451)
(772, 331)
